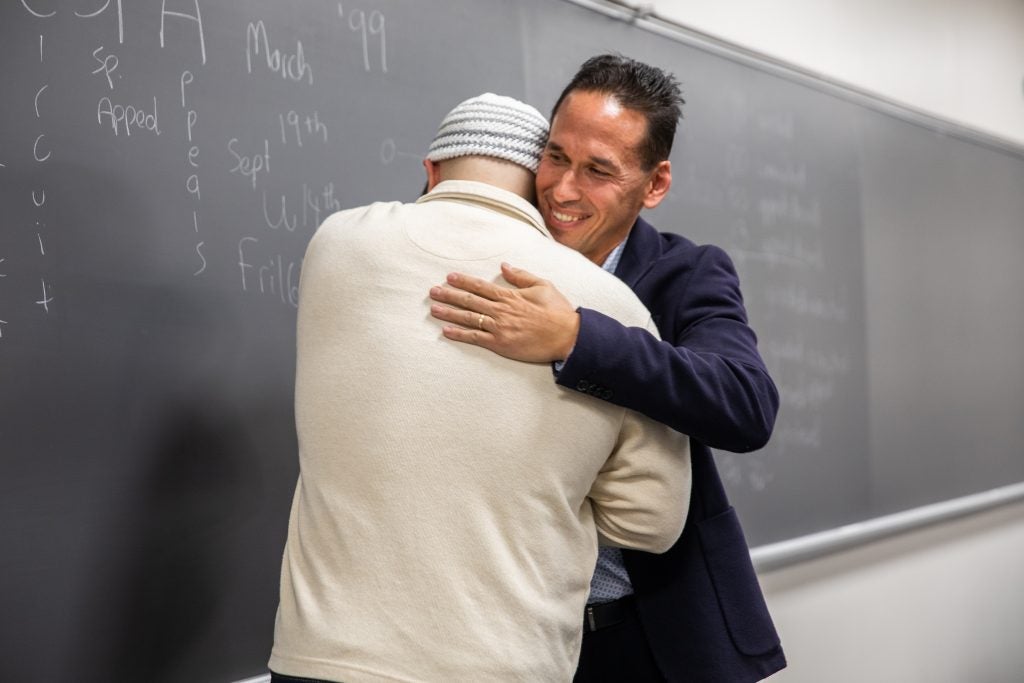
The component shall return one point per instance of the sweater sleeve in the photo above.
(641, 496)
(706, 379)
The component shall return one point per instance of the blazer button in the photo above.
(583, 385)
(606, 394)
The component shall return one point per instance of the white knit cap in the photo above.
(492, 126)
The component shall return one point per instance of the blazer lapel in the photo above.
(643, 248)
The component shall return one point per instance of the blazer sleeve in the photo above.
(641, 496)
(706, 379)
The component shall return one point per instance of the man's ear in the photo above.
(433, 173)
(659, 184)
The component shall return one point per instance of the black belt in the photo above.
(605, 614)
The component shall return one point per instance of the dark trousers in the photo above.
(618, 653)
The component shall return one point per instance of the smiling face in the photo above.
(591, 184)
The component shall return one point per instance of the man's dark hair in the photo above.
(637, 86)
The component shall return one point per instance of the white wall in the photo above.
(946, 603)
(960, 59)
(942, 605)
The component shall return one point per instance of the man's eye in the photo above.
(599, 172)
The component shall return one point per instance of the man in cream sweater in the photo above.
(450, 503)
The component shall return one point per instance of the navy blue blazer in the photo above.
(700, 603)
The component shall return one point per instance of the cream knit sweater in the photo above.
(445, 523)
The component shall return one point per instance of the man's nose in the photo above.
(566, 189)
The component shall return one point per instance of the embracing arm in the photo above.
(706, 380)
(721, 402)
(641, 496)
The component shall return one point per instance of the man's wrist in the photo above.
(570, 341)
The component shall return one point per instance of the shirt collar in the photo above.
(612, 262)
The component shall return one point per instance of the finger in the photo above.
(519, 277)
(449, 314)
(461, 299)
(481, 288)
(460, 334)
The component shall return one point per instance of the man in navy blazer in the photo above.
(696, 612)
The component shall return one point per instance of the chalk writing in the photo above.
(271, 278)
(389, 151)
(40, 153)
(292, 67)
(192, 186)
(809, 393)
(190, 121)
(35, 149)
(122, 118)
(101, 10)
(292, 125)
(47, 298)
(316, 203)
(799, 300)
(186, 79)
(38, 93)
(107, 65)
(791, 208)
(250, 165)
(794, 251)
(282, 220)
(35, 13)
(324, 199)
(80, 15)
(793, 175)
(787, 436)
(192, 158)
(192, 182)
(197, 18)
(369, 26)
(201, 258)
(751, 470)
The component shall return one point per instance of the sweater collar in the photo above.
(493, 197)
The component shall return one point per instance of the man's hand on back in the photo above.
(530, 321)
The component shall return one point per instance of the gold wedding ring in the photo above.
(480, 322)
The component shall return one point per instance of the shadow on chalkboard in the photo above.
(158, 593)
(167, 469)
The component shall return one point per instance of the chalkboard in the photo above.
(162, 167)
(877, 248)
